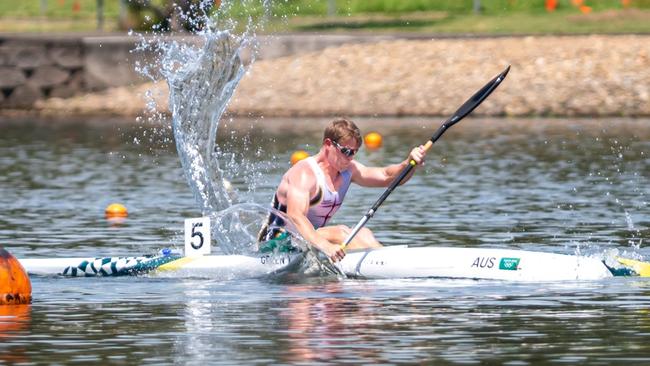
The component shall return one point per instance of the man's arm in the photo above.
(298, 197)
(383, 176)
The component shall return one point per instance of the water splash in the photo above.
(635, 240)
(202, 71)
(201, 82)
(239, 226)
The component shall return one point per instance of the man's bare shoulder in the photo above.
(301, 174)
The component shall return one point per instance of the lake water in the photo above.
(564, 186)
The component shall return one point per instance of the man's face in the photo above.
(343, 152)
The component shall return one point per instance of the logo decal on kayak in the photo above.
(274, 260)
(509, 264)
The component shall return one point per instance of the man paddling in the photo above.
(313, 189)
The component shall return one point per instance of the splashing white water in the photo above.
(202, 71)
(201, 82)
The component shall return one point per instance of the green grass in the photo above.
(435, 16)
(489, 7)
(57, 9)
(560, 22)
(56, 16)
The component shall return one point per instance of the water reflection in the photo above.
(15, 322)
(549, 185)
(325, 328)
(14, 318)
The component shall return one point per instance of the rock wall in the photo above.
(32, 69)
(38, 67)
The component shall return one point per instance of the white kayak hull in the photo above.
(388, 262)
(473, 263)
(212, 266)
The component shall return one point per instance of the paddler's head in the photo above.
(341, 141)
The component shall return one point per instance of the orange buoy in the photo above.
(298, 155)
(116, 210)
(373, 140)
(551, 5)
(15, 287)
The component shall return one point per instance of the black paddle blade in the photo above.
(478, 98)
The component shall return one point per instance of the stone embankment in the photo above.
(27, 70)
(551, 76)
(35, 67)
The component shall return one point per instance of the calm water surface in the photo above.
(562, 186)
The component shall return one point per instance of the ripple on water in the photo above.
(536, 186)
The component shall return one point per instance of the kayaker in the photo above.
(312, 190)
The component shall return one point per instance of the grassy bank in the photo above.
(433, 16)
(611, 21)
(57, 15)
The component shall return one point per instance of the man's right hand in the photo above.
(334, 252)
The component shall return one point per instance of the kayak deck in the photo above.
(494, 264)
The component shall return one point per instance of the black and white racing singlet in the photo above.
(322, 207)
(330, 201)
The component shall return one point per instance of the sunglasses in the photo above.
(345, 150)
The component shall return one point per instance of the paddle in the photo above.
(461, 113)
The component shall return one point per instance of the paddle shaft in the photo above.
(396, 182)
(461, 113)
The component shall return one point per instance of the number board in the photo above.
(197, 236)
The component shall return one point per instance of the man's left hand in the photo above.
(418, 154)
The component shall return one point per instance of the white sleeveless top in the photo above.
(322, 210)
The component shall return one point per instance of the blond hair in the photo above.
(341, 129)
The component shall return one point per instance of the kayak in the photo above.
(383, 263)
(473, 263)
(171, 265)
